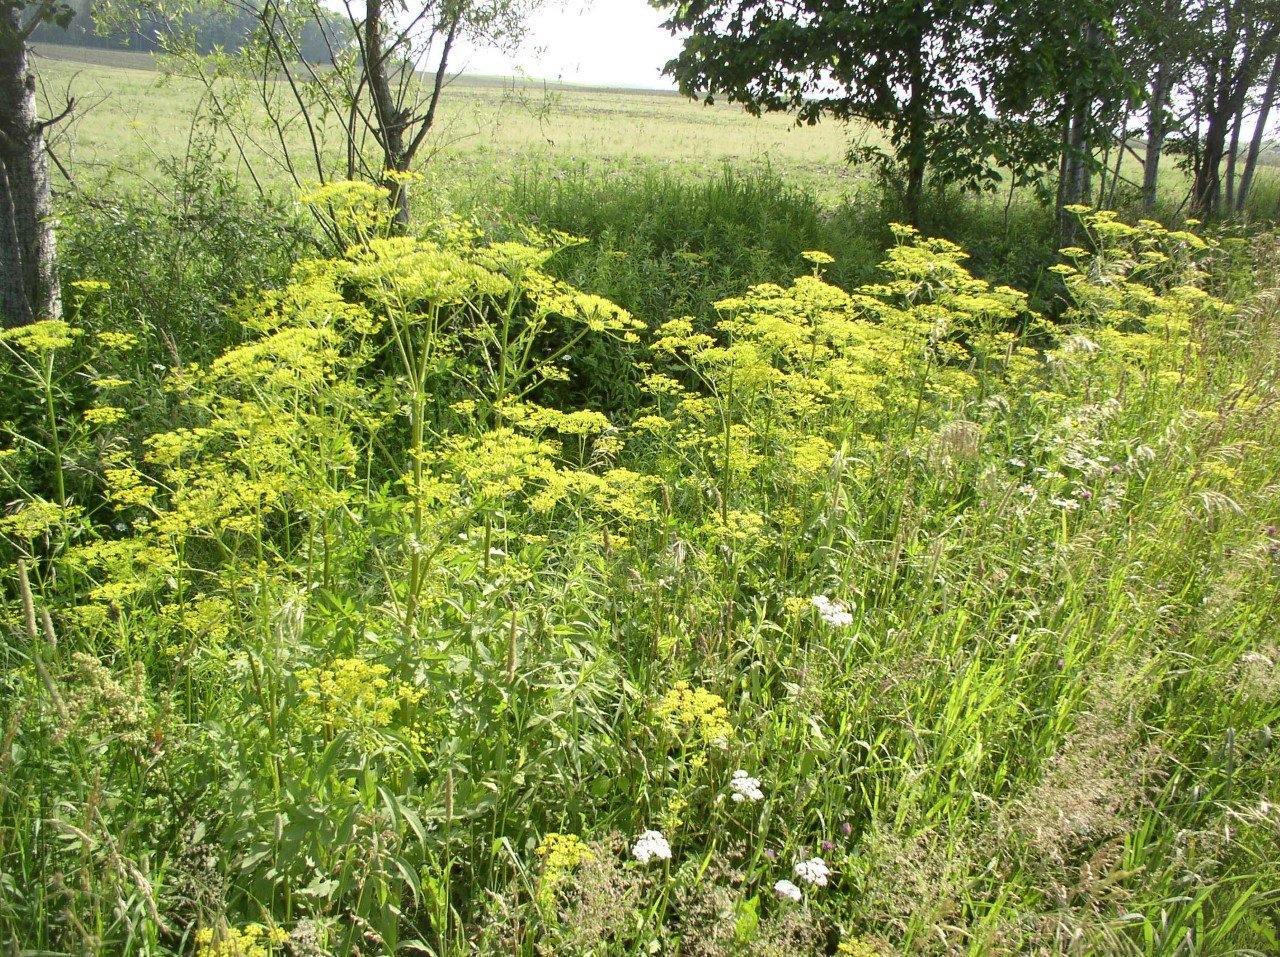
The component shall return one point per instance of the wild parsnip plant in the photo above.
(892, 620)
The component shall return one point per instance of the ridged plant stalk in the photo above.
(416, 353)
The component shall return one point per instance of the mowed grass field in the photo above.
(131, 117)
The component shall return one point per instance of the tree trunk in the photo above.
(1259, 131)
(1206, 187)
(1206, 193)
(1155, 134)
(1161, 86)
(1110, 202)
(391, 119)
(1232, 152)
(917, 128)
(1074, 178)
(1107, 192)
(1228, 94)
(915, 187)
(28, 280)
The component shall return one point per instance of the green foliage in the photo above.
(901, 67)
(171, 258)
(210, 26)
(663, 246)
(885, 620)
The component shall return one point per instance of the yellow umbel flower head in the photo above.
(695, 715)
(561, 854)
(355, 695)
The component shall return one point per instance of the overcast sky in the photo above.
(613, 42)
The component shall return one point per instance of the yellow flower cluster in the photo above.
(552, 297)
(859, 947)
(117, 341)
(404, 272)
(38, 518)
(1137, 292)
(621, 494)
(103, 415)
(793, 366)
(672, 819)
(126, 487)
(251, 940)
(355, 695)
(695, 714)
(352, 208)
(497, 464)
(90, 285)
(44, 336)
(563, 852)
(560, 853)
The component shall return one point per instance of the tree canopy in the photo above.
(970, 92)
(909, 67)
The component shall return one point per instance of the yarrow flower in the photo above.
(787, 891)
(745, 788)
(832, 612)
(813, 871)
(651, 846)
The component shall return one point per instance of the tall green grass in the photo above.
(349, 643)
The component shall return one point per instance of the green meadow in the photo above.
(656, 550)
(134, 118)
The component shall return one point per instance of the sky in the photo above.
(596, 42)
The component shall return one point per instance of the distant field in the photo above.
(132, 117)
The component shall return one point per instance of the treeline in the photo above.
(209, 27)
(975, 92)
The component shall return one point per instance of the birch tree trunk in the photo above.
(1074, 180)
(1157, 129)
(28, 280)
(1233, 151)
(1259, 131)
(1236, 74)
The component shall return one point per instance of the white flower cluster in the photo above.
(745, 788)
(786, 890)
(813, 871)
(651, 846)
(832, 612)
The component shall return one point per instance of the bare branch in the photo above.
(43, 125)
(285, 68)
(430, 117)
